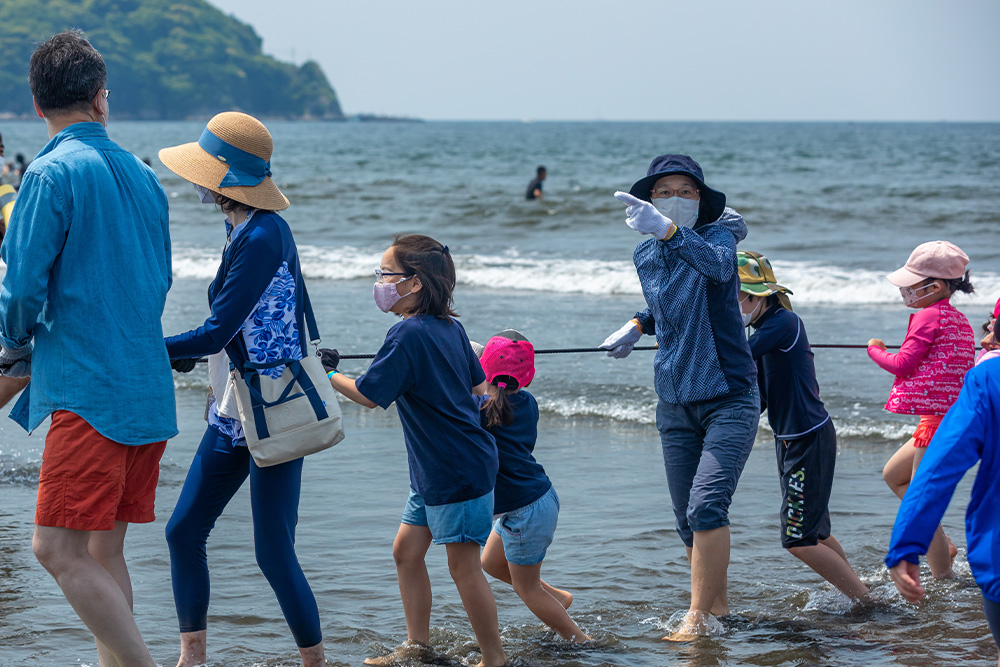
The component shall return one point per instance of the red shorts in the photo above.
(926, 429)
(88, 482)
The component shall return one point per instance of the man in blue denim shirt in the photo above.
(704, 375)
(88, 254)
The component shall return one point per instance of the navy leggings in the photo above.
(992, 610)
(217, 472)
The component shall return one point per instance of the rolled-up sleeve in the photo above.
(33, 242)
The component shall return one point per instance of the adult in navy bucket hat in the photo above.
(712, 202)
(705, 377)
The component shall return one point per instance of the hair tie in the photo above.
(443, 249)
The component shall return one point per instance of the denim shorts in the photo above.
(466, 521)
(705, 446)
(527, 531)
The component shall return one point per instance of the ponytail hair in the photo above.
(959, 284)
(499, 411)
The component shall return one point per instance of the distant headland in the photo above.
(166, 59)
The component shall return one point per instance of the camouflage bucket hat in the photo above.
(757, 277)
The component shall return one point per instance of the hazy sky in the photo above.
(646, 59)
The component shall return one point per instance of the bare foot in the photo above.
(407, 651)
(695, 624)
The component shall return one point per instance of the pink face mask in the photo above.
(386, 295)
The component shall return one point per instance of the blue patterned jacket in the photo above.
(256, 301)
(692, 295)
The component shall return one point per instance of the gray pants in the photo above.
(705, 446)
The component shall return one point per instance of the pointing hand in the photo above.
(643, 217)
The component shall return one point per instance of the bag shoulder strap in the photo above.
(310, 316)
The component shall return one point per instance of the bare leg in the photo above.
(92, 591)
(939, 556)
(408, 550)
(9, 388)
(495, 564)
(721, 605)
(313, 656)
(832, 543)
(528, 586)
(709, 564)
(467, 572)
(898, 469)
(194, 649)
(106, 546)
(832, 566)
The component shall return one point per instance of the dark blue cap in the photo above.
(713, 202)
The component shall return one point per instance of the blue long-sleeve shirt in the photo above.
(257, 303)
(88, 269)
(691, 288)
(969, 434)
(787, 375)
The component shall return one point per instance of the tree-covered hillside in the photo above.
(166, 59)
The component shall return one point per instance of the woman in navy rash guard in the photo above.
(257, 315)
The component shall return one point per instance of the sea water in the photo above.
(835, 206)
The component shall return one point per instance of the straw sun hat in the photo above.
(232, 158)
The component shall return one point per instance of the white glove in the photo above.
(643, 217)
(15, 362)
(619, 344)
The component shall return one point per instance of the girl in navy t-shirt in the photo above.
(525, 504)
(427, 368)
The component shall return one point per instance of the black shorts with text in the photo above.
(805, 466)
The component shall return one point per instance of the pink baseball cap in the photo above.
(934, 259)
(515, 359)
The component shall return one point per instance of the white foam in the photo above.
(628, 411)
(811, 282)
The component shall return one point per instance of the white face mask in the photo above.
(910, 296)
(684, 212)
(206, 195)
(748, 317)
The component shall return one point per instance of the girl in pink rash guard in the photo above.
(930, 366)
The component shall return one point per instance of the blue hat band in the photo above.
(244, 168)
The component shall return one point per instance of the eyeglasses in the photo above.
(107, 93)
(380, 274)
(685, 192)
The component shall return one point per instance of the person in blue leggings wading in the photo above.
(257, 301)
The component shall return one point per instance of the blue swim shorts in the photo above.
(467, 521)
(527, 531)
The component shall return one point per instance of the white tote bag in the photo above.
(288, 417)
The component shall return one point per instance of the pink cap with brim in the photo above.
(934, 259)
(996, 310)
(512, 358)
